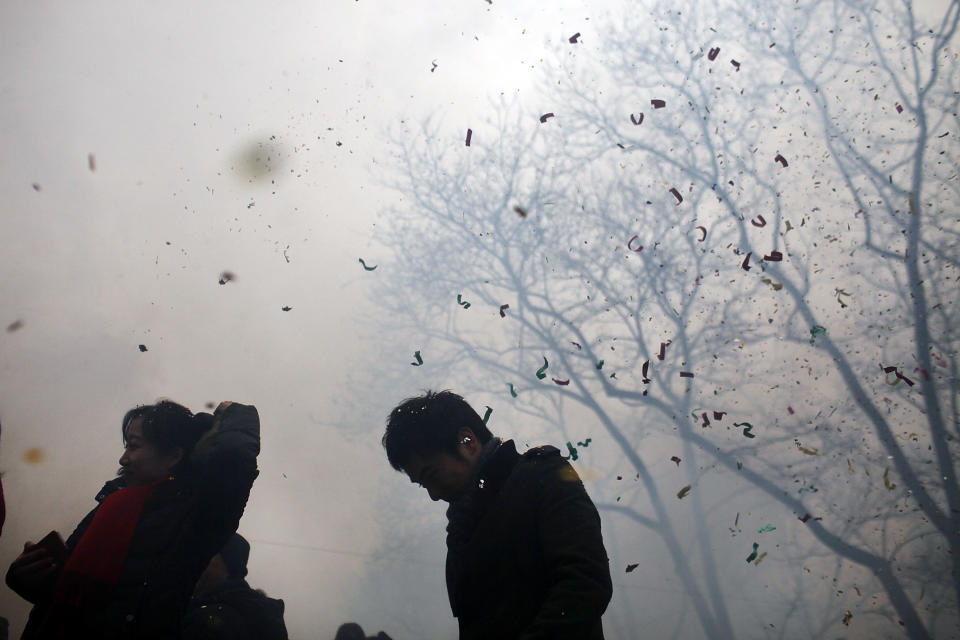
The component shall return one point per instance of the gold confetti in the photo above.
(33, 456)
(683, 492)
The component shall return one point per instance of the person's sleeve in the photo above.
(225, 466)
(579, 585)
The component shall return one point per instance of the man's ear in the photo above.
(468, 444)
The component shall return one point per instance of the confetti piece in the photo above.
(841, 292)
(817, 330)
(718, 415)
(675, 459)
(850, 466)
(663, 350)
(683, 492)
(736, 521)
(676, 194)
(631, 567)
(226, 277)
(562, 383)
(781, 160)
(366, 268)
(635, 120)
(810, 489)
(759, 221)
(704, 236)
(91, 162)
(210, 405)
(630, 243)
(886, 480)
(286, 308)
(646, 365)
(847, 616)
(790, 410)
(541, 372)
(520, 211)
(577, 345)
(469, 136)
(899, 375)
(713, 53)
(463, 303)
(36, 186)
(658, 104)
(599, 365)
(572, 450)
(759, 559)
(416, 354)
(926, 374)
(809, 452)
(142, 347)
(766, 528)
(573, 38)
(753, 556)
(546, 117)
(686, 374)
(486, 415)
(746, 432)
(776, 285)
(33, 456)
(585, 443)
(789, 226)
(706, 421)
(899, 109)
(735, 64)
(512, 391)
(14, 326)
(804, 518)
(503, 308)
(773, 256)
(746, 262)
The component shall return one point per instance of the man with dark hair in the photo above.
(525, 557)
(225, 607)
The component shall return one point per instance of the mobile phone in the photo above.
(53, 544)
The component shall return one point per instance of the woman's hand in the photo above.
(31, 575)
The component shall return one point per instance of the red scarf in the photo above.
(88, 578)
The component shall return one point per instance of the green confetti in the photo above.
(585, 443)
(572, 450)
(815, 331)
(599, 365)
(746, 432)
(811, 489)
(486, 415)
(464, 303)
(416, 354)
(766, 528)
(366, 267)
(512, 391)
(618, 498)
(753, 556)
(542, 371)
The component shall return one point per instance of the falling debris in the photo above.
(573, 452)
(469, 135)
(630, 245)
(286, 308)
(847, 617)
(461, 302)
(658, 104)
(416, 354)
(675, 459)
(783, 161)
(747, 433)
(546, 117)
(365, 267)
(520, 211)
(33, 456)
(886, 480)
(486, 415)
(513, 391)
(573, 38)
(753, 556)
(637, 120)
(91, 162)
(142, 348)
(14, 326)
(686, 374)
(542, 371)
(36, 186)
(815, 331)
(676, 194)
(503, 308)
(713, 53)
(226, 277)
(631, 567)
(562, 383)
(683, 492)
(735, 64)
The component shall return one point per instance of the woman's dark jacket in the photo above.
(183, 525)
(525, 557)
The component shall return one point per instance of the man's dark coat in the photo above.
(525, 558)
(234, 611)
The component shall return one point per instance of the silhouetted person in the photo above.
(525, 558)
(224, 607)
(353, 631)
(129, 568)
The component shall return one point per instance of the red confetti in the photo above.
(573, 38)
(675, 459)
(706, 421)
(546, 117)
(469, 135)
(712, 55)
(646, 365)
(663, 350)
(676, 194)
(790, 410)
(704, 230)
(759, 221)
(781, 160)
(804, 518)
(630, 242)
(687, 374)
(735, 64)
(899, 109)
(503, 308)
(562, 383)
(631, 567)
(658, 104)
(775, 256)
(926, 375)
(636, 121)
(746, 262)
(718, 415)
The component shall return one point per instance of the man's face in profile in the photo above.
(444, 475)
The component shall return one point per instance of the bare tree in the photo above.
(742, 215)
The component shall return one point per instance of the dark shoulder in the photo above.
(546, 464)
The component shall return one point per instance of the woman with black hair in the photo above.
(128, 569)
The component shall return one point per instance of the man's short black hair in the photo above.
(428, 424)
